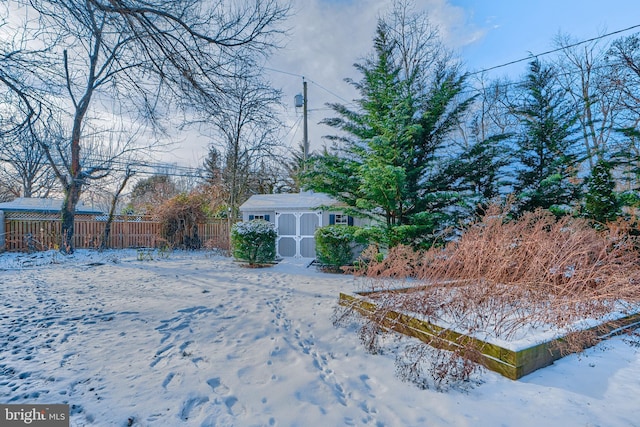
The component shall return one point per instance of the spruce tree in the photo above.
(385, 165)
(480, 172)
(601, 203)
(212, 168)
(546, 148)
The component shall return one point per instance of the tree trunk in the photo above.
(107, 230)
(112, 211)
(72, 195)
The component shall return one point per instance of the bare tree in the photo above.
(491, 113)
(122, 56)
(624, 62)
(290, 182)
(19, 109)
(623, 72)
(248, 125)
(420, 51)
(26, 166)
(24, 116)
(7, 194)
(586, 80)
(104, 244)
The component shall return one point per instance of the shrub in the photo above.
(502, 277)
(418, 236)
(179, 218)
(254, 241)
(335, 245)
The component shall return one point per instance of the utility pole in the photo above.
(300, 100)
(305, 137)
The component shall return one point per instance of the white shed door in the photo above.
(295, 233)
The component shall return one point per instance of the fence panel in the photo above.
(87, 231)
(29, 231)
(215, 234)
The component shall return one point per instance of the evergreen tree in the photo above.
(212, 168)
(546, 148)
(479, 171)
(385, 163)
(601, 203)
(150, 193)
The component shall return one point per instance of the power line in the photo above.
(554, 50)
(330, 92)
(295, 129)
(145, 167)
(506, 64)
(283, 72)
(310, 81)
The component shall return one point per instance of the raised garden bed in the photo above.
(513, 364)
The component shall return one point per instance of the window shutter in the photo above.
(332, 219)
(251, 217)
(350, 220)
(266, 217)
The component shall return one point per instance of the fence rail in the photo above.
(25, 232)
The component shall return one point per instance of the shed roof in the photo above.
(29, 204)
(287, 201)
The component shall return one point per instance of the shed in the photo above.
(296, 217)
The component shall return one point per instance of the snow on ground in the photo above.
(197, 340)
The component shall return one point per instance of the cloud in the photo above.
(327, 37)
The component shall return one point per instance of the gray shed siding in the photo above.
(296, 216)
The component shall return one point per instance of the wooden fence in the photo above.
(30, 231)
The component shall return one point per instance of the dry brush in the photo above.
(500, 279)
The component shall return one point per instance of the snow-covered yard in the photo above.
(197, 340)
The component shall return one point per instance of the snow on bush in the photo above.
(254, 241)
(334, 246)
(254, 227)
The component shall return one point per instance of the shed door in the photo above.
(295, 233)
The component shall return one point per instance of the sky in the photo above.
(326, 37)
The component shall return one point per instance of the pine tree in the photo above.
(546, 148)
(212, 168)
(601, 203)
(385, 163)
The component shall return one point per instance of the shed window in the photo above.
(264, 217)
(340, 219)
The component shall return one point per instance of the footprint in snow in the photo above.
(217, 386)
(191, 406)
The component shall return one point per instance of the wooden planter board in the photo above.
(509, 363)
